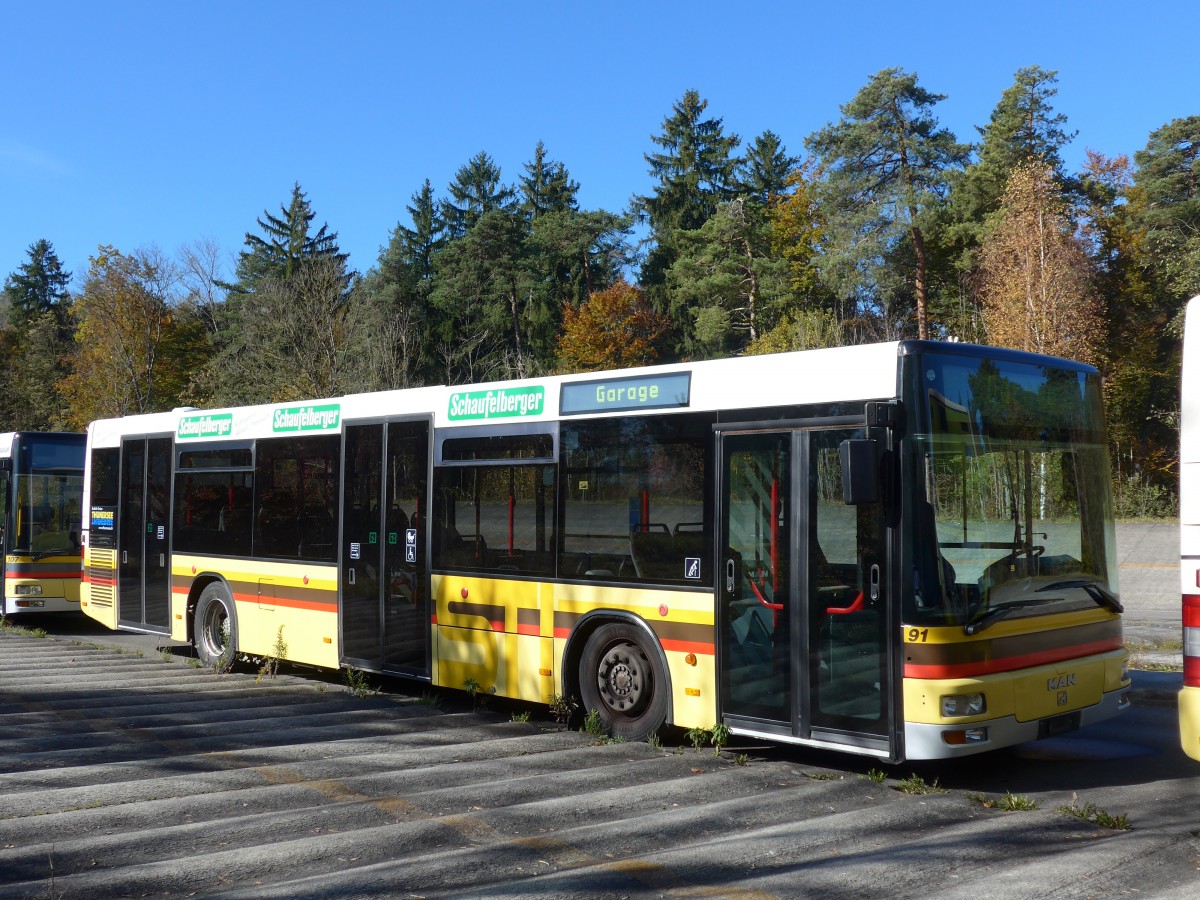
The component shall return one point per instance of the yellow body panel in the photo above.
(299, 597)
(1189, 721)
(99, 601)
(511, 635)
(1025, 694)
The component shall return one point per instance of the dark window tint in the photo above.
(105, 485)
(213, 512)
(106, 476)
(223, 458)
(495, 518)
(635, 502)
(296, 498)
(507, 446)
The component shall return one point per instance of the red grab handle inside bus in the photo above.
(854, 607)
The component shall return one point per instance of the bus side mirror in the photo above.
(860, 471)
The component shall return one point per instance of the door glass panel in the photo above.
(157, 531)
(133, 479)
(756, 598)
(362, 550)
(405, 595)
(847, 621)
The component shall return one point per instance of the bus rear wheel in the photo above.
(215, 634)
(623, 681)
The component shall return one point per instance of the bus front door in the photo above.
(144, 568)
(803, 649)
(385, 584)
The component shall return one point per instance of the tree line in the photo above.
(884, 225)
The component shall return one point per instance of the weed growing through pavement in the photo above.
(1090, 813)
(592, 724)
(719, 735)
(699, 737)
(562, 708)
(1010, 802)
(876, 775)
(270, 665)
(915, 784)
(357, 681)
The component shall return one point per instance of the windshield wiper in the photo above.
(990, 617)
(1098, 592)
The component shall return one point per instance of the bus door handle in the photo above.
(124, 557)
(162, 560)
(874, 582)
(729, 575)
(350, 576)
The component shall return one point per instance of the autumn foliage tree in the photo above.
(614, 328)
(1035, 277)
(134, 347)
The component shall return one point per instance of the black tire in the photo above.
(623, 680)
(215, 630)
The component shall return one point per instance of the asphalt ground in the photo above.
(127, 770)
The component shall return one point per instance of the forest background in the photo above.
(883, 225)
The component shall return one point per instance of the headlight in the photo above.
(27, 590)
(956, 705)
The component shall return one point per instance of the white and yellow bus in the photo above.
(902, 550)
(41, 491)
(1189, 531)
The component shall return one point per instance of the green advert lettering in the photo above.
(307, 418)
(497, 404)
(205, 426)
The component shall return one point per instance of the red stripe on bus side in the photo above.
(532, 630)
(1010, 663)
(66, 573)
(689, 647)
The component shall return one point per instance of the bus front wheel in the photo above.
(623, 681)
(216, 628)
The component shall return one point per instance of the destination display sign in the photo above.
(625, 394)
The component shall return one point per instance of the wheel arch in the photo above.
(587, 624)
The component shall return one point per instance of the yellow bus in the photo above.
(1189, 531)
(902, 550)
(41, 491)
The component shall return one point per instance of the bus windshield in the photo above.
(1013, 483)
(47, 514)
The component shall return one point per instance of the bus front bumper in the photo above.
(922, 741)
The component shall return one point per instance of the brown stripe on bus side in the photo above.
(992, 649)
(529, 616)
(279, 591)
(493, 612)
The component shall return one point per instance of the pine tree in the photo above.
(38, 286)
(475, 191)
(887, 166)
(286, 241)
(694, 174)
(727, 280)
(1168, 177)
(765, 169)
(546, 186)
(1023, 129)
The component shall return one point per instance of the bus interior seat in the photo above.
(654, 554)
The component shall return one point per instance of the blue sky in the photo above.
(162, 123)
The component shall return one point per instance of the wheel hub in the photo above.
(620, 679)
